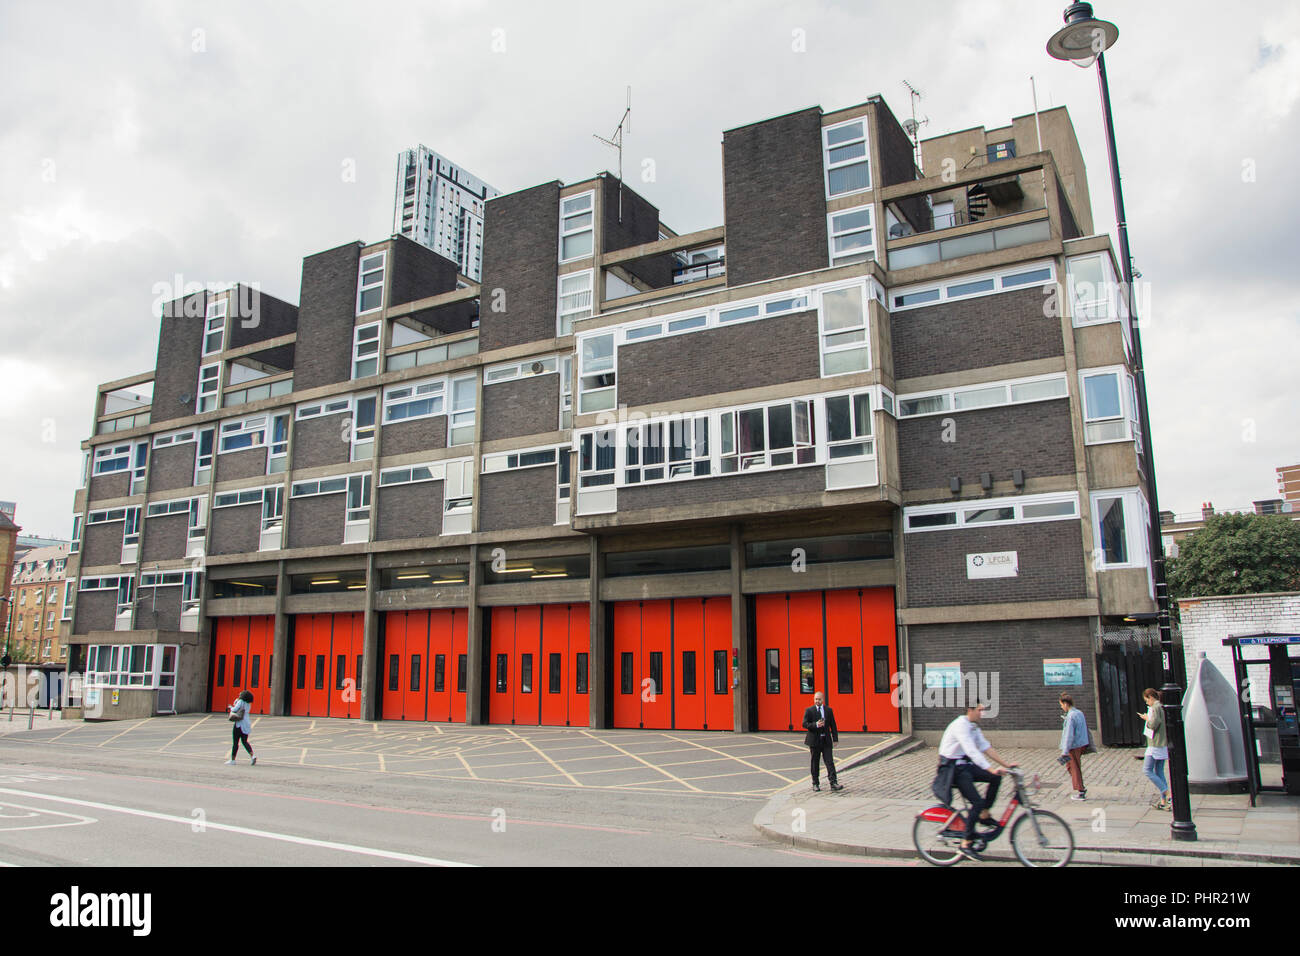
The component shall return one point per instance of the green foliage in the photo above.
(1238, 554)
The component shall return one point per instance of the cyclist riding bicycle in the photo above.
(964, 761)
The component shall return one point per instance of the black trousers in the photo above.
(822, 750)
(239, 737)
(964, 779)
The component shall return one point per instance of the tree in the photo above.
(1238, 554)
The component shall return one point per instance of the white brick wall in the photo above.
(1207, 621)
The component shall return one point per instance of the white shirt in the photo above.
(965, 739)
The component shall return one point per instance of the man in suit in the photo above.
(819, 721)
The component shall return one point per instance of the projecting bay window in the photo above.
(576, 226)
(851, 236)
(768, 437)
(209, 388)
(843, 317)
(1120, 529)
(845, 156)
(597, 370)
(1109, 407)
(215, 328)
(848, 426)
(370, 286)
(574, 300)
(365, 351)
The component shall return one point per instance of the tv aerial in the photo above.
(624, 126)
(912, 126)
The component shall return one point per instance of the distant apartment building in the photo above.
(8, 546)
(880, 421)
(440, 206)
(1288, 486)
(39, 590)
(1174, 528)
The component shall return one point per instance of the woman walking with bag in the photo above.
(1153, 762)
(240, 712)
(1074, 741)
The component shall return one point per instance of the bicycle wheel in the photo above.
(1041, 838)
(933, 847)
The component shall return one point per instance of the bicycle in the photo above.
(1038, 837)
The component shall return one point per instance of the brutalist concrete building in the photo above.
(873, 435)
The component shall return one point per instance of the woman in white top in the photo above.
(240, 712)
(1153, 764)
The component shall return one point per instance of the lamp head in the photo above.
(1083, 37)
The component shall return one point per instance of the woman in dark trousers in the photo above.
(241, 711)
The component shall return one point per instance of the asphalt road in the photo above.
(86, 799)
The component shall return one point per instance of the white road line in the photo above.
(246, 831)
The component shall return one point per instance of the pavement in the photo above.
(1116, 826)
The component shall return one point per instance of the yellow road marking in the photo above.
(127, 731)
(182, 733)
(465, 763)
(302, 757)
(785, 743)
(382, 768)
(541, 753)
(646, 762)
(731, 757)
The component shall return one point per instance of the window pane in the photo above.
(807, 683)
(415, 672)
(719, 672)
(302, 671)
(503, 671)
(989, 514)
(439, 673)
(235, 678)
(844, 669)
(842, 309)
(841, 154)
(880, 664)
(849, 178)
(554, 679)
(688, 672)
(839, 423)
(780, 426)
(460, 673)
(254, 670)
(626, 677)
(526, 674)
(1029, 391)
(581, 674)
(854, 360)
(845, 222)
(576, 246)
(657, 671)
(1101, 393)
(773, 671)
(1114, 546)
(394, 665)
(844, 134)
(1049, 510)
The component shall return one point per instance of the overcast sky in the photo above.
(222, 142)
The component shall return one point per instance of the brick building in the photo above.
(880, 420)
(38, 588)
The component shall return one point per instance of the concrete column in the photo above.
(597, 689)
(281, 676)
(474, 709)
(370, 645)
(739, 637)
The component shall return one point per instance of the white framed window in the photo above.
(363, 428)
(1109, 406)
(112, 458)
(243, 434)
(458, 488)
(1039, 388)
(209, 388)
(107, 516)
(767, 436)
(574, 300)
(365, 351)
(546, 365)
(277, 461)
(848, 426)
(358, 503)
(412, 474)
(848, 169)
(577, 231)
(332, 406)
(131, 527)
(597, 369)
(69, 595)
(464, 400)
(852, 238)
(370, 285)
(214, 332)
(272, 508)
(140, 467)
(566, 392)
(175, 438)
(521, 458)
(1025, 509)
(843, 325)
(247, 496)
(203, 456)
(1095, 294)
(1119, 523)
(972, 286)
(321, 486)
(74, 546)
(413, 400)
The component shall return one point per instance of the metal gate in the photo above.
(1128, 662)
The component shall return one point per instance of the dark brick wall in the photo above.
(235, 530)
(96, 611)
(521, 251)
(326, 317)
(719, 360)
(316, 520)
(517, 499)
(974, 333)
(795, 481)
(159, 608)
(164, 538)
(1035, 437)
(102, 544)
(176, 372)
(270, 318)
(248, 463)
(410, 511)
(774, 198)
(1014, 651)
(524, 406)
(319, 441)
(1050, 558)
(172, 467)
(640, 225)
(403, 437)
(415, 272)
(102, 487)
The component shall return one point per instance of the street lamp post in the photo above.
(1082, 40)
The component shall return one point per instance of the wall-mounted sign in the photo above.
(115, 698)
(993, 564)
(943, 675)
(92, 696)
(1063, 671)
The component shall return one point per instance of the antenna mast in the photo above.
(913, 126)
(624, 126)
